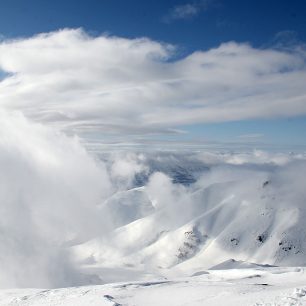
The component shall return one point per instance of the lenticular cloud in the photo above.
(85, 84)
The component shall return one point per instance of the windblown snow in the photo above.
(165, 228)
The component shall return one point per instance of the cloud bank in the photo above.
(87, 85)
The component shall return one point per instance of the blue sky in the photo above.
(255, 21)
(190, 26)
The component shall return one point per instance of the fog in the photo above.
(52, 193)
(49, 189)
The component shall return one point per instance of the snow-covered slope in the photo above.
(171, 230)
(257, 286)
(69, 218)
(144, 216)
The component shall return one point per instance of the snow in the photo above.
(251, 286)
(197, 227)
(234, 264)
(155, 228)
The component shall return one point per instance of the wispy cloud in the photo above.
(92, 85)
(186, 11)
(251, 136)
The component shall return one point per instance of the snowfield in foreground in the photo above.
(254, 286)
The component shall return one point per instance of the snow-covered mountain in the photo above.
(249, 212)
(72, 218)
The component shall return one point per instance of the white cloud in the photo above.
(124, 168)
(253, 136)
(49, 190)
(89, 85)
(186, 11)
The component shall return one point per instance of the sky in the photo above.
(203, 71)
